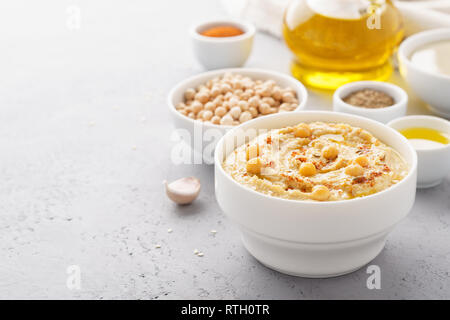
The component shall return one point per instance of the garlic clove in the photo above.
(184, 190)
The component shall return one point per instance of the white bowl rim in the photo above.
(424, 117)
(299, 88)
(412, 169)
(410, 44)
(380, 84)
(248, 28)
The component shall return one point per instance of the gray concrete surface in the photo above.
(85, 144)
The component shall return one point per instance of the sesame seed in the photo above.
(196, 251)
(134, 147)
(213, 231)
(200, 254)
(169, 230)
(157, 246)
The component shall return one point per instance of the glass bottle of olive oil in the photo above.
(339, 41)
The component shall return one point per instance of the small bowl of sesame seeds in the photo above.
(376, 100)
(204, 107)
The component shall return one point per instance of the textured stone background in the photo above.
(85, 145)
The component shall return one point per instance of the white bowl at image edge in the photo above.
(311, 238)
(196, 129)
(433, 88)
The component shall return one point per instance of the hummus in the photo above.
(316, 161)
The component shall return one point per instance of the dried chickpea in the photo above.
(302, 131)
(243, 105)
(254, 102)
(180, 106)
(330, 152)
(276, 93)
(238, 92)
(253, 112)
(307, 169)
(227, 120)
(354, 170)
(191, 115)
(362, 161)
(235, 112)
(215, 120)
(226, 105)
(196, 107)
(286, 107)
(269, 100)
(288, 97)
(220, 111)
(320, 193)
(202, 96)
(237, 84)
(210, 106)
(264, 108)
(254, 166)
(228, 95)
(289, 89)
(245, 116)
(215, 91)
(247, 94)
(247, 84)
(269, 83)
(200, 114)
(265, 91)
(207, 115)
(225, 88)
(234, 101)
(189, 94)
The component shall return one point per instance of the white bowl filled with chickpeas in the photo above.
(204, 107)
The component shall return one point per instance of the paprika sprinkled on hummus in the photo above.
(316, 161)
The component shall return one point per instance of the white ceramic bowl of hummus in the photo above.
(314, 238)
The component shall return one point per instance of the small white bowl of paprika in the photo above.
(222, 43)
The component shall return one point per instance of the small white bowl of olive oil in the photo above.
(430, 137)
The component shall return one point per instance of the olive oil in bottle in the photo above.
(339, 41)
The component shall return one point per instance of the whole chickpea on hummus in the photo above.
(316, 161)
